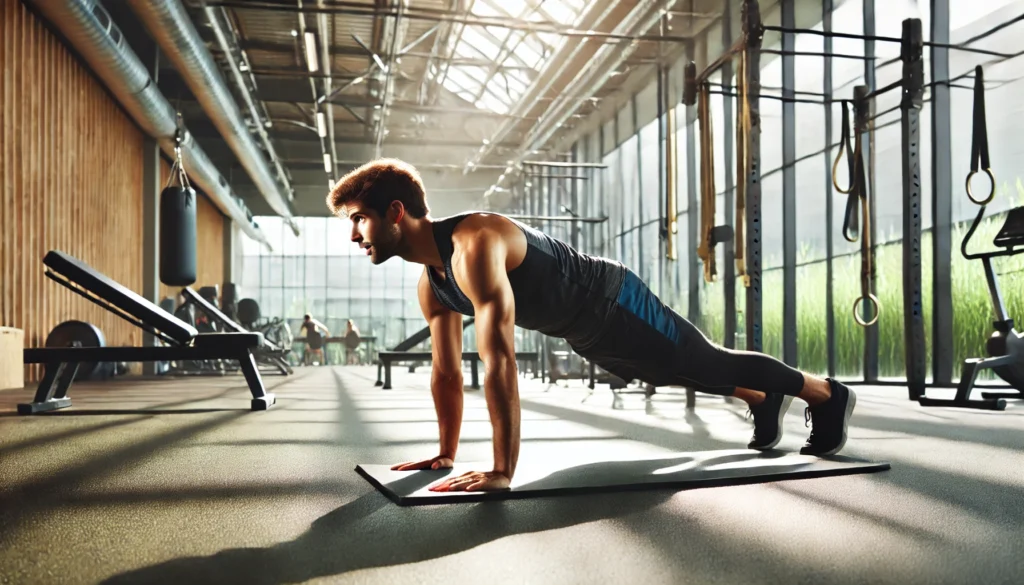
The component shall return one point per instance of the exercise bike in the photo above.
(1006, 345)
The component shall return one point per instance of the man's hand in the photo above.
(439, 462)
(474, 481)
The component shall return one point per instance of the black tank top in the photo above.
(558, 291)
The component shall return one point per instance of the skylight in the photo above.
(513, 56)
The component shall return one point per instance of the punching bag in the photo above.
(178, 236)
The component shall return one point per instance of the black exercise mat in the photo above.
(700, 469)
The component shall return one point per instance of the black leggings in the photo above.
(646, 340)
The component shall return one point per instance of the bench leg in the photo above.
(380, 368)
(474, 369)
(52, 392)
(261, 399)
(387, 376)
(283, 366)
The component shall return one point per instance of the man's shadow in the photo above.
(675, 471)
(372, 532)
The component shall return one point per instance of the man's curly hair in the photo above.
(376, 184)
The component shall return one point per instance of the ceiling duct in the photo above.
(91, 32)
(170, 25)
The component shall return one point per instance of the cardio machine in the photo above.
(1005, 347)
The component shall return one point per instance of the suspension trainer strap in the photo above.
(706, 249)
(979, 141)
(855, 168)
(979, 159)
(844, 148)
(742, 126)
(859, 195)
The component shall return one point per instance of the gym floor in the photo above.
(175, 481)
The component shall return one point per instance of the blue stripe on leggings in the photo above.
(636, 298)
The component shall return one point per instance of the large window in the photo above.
(322, 273)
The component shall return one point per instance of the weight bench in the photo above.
(387, 358)
(184, 342)
(411, 342)
(268, 352)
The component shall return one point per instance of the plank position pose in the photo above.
(508, 274)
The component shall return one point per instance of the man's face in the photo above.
(378, 236)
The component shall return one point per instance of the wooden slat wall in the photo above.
(70, 180)
(71, 176)
(209, 248)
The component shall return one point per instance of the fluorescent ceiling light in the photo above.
(312, 63)
(327, 162)
(321, 124)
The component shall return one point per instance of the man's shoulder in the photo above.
(480, 230)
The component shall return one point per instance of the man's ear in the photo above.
(396, 211)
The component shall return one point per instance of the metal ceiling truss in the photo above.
(466, 63)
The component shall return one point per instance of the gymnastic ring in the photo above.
(856, 313)
(991, 193)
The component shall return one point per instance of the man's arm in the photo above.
(446, 372)
(479, 268)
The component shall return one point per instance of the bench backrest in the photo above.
(97, 283)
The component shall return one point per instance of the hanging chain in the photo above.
(179, 165)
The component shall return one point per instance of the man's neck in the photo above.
(418, 243)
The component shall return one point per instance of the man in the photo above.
(315, 333)
(508, 274)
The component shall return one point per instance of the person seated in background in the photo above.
(352, 342)
(316, 334)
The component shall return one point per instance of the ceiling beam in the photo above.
(294, 48)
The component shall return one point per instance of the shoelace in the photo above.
(807, 416)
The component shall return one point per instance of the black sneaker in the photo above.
(828, 431)
(768, 421)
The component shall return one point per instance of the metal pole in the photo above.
(729, 146)
(662, 167)
(642, 268)
(601, 203)
(151, 187)
(913, 307)
(789, 302)
(549, 200)
(830, 314)
(870, 333)
(752, 31)
(694, 270)
(558, 164)
(574, 200)
(942, 203)
(559, 218)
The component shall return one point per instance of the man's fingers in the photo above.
(454, 484)
(444, 486)
(442, 463)
(435, 463)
